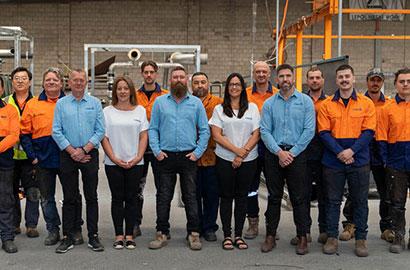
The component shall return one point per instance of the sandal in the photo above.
(240, 243)
(227, 244)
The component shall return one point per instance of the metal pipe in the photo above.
(254, 13)
(188, 58)
(277, 33)
(17, 50)
(339, 28)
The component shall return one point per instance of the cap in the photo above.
(375, 72)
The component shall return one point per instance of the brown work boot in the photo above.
(295, 240)
(269, 244)
(302, 247)
(348, 232)
(331, 246)
(159, 242)
(253, 228)
(360, 248)
(387, 235)
(32, 232)
(322, 238)
(194, 242)
(398, 244)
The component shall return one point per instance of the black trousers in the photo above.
(124, 189)
(296, 181)
(72, 199)
(177, 163)
(233, 185)
(7, 227)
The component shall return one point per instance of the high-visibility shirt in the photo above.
(255, 97)
(208, 158)
(343, 127)
(9, 134)
(143, 100)
(393, 134)
(375, 157)
(35, 131)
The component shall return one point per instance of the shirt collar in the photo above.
(157, 88)
(322, 95)
(85, 97)
(169, 95)
(2, 103)
(337, 95)
(270, 89)
(43, 95)
(293, 94)
(398, 99)
(381, 98)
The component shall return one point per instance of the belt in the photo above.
(285, 147)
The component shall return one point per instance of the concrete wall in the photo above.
(223, 28)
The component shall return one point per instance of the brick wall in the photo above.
(223, 28)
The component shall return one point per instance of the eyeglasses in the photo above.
(24, 78)
(232, 85)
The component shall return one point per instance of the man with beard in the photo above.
(146, 96)
(346, 123)
(206, 182)
(178, 136)
(261, 90)
(375, 81)
(314, 151)
(287, 127)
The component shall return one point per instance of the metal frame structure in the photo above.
(17, 34)
(324, 12)
(196, 49)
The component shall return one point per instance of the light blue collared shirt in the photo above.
(288, 123)
(77, 123)
(173, 125)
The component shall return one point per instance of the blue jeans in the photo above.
(207, 197)
(46, 178)
(334, 180)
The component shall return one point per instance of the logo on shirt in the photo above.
(137, 120)
(89, 109)
(248, 118)
(3, 116)
(358, 109)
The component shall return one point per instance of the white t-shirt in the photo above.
(123, 128)
(237, 131)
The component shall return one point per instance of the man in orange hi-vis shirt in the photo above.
(258, 93)
(146, 96)
(9, 135)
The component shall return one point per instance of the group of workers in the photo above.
(218, 147)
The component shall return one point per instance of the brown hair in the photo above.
(178, 68)
(401, 71)
(313, 69)
(57, 72)
(128, 81)
(149, 63)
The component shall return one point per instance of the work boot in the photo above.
(52, 238)
(9, 246)
(322, 238)
(348, 232)
(136, 231)
(331, 246)
(77, 238)
(302, 247)
(360, 248)
(387, 235)
(398, 244)
(295, 240)
(32, 232)
(160, 241)
(194, 242)
(269, 244)
(253, 228)
(18, 230)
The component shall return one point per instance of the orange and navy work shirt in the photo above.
(342, 127)
(255, 97)
(35, 131)
(393, 134)
(375, 158)
(315, 148)
(208, 158)
(9, 134)
(144, 101)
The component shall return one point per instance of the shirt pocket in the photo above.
(335, 118)
(356, 119)
(42, 121)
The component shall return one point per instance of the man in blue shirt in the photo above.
(287, 127)
(78, 128)
(173, 138)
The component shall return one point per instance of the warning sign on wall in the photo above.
(376, 4)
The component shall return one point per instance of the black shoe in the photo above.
(137, 231)
(52, 238)
(210, 236)
(65, 245)
(94, 243)
(130, 245)
(77, 238)
(169, 235)
(18, 230)
(9, 246)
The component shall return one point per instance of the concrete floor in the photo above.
(176, 255)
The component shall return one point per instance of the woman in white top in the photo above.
(235, 128)
(124, 144)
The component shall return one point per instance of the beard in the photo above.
(179, 90)
(200, 92)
